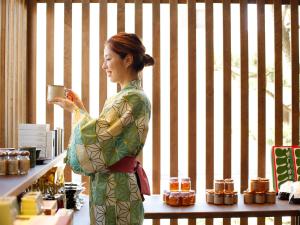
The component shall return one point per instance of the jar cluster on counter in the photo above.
(259, 192)
(179, 197)
(223, 194)
(13, 162)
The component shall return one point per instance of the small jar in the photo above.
(3, 163)
(228, 199)
(13, 163)
(174, 185)
(254, 185)
(185, 184)
(219, 186)
(174, 199)
(260, 197)
(235, 197)
(219, 198)
(166, 195)
(248, 197)
(264, 184)
(185, 198)
(229, 185)
(24, 162)
(192, 196)
(210, 196)
(271, 197)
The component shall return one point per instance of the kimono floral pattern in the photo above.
(96, 144)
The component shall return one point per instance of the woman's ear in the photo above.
(128, 60)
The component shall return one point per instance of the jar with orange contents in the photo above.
(174, 185)
(174, 199)
(192, 197)
(185, 198)
(166, 196)
(185, 184)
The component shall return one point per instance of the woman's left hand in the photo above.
(65, 103)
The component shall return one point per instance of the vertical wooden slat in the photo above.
(2, 72)
(227, 93)
(50, 58)
(173, 92)
(261, 83)
(244, 95)
(244, 221)
(120, 16)
(85, 64)
(293, 220)
(192, 95)
(103, 37)
(67, 76)
(156, 99)
(139, 32)
(31, 61)
(295, 71)
(277, 220)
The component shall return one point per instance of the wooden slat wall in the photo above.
(50, 59)
(67, 76)
(295, 71)
(85, 74)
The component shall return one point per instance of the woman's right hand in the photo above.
(72, 96)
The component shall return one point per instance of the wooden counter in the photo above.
(14, 185)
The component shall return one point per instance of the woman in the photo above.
(105, 148)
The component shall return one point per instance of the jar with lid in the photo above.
(219, 186)
(254, 183)
(271, 197)
(3, 163)
(248, 197)
(192, 195)
(185, 184)
(185, 198)
(166, 195)
(219, 199)
(174, 185)
(228, 199)
(174, 199)
(13, 163)
(24, 162)
(229, 185)
(210, 196)
(260, 197)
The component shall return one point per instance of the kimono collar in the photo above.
(135, 84)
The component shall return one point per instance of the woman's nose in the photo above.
(104, 65)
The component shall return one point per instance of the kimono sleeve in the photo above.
(120, 131)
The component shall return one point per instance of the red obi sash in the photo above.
(129, 164)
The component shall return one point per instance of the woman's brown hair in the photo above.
(127, 43)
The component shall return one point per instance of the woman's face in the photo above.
(113, 65)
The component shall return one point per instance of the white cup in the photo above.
(55, 91)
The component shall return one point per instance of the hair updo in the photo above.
(126, 43)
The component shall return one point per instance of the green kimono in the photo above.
(96, 144)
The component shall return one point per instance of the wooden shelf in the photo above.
(14, 185)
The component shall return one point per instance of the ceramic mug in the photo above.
(55, 91)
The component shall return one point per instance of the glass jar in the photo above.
(264, 184)
(228, 199)
(24, 162)
(3, 163)
(229, 185)
(219, 186)
(210, 196)
(166, 195)
(185, 198)
(219, 199)
(174, 199)
(174, 185)
(248, 197)
(254, 185)
(185, 184)
(13, 163)
(235, 197)
(192, 196)
(271, 197)
(260, 197)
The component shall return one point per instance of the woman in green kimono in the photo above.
(105, 148)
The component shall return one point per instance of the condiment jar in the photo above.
(13, 164)
(166, 195)
(271, 197)
(185, 184)
(185, 198)
(3, 163)
(24, 162)
(192, 195)
(219, 199)
(174, 199)
(219, 186)
(260, 197)
(229, 185)
(248, 197)
(254, 185)
(264, 184)
(235, 197)
(228, 199)
(174, 185)
(210, 196)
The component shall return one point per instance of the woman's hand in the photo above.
(66, 104)
(72, 96)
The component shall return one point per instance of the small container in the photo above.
(185, 198)
(248, 197)
(166, 195)
(13, 163)
(271, 197)
(32, 156)
(254, 185)
(174, 185)
(219, 199)
(3, 163)
(192, 195)
(24, 162)
(260, 197)
(264, 184)
(229, 185)
(185, 184)
(219, 186)
(235, 197)
(228, 199)
(174, 199)
(210, 196)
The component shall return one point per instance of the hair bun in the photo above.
(148, 60)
